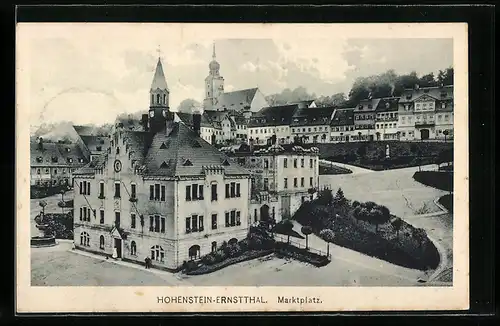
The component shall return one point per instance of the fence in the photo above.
(284, 239)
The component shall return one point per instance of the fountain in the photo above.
(42, 240)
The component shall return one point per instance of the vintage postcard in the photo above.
(241, 167)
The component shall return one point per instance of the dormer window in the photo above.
(163, 165)
(443, 94)
(196, 144)
(387, 105)
(408, 96)
(98, 148)
(68, 149)
(70, 160)
(225, 162)
(370, 106)
(443, 105)
(187, 162)
(118, 150)
(80, 160)
(54, 159)
(39, 159)
(163, 146)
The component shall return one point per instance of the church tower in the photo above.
(159, 110)
(214, 84)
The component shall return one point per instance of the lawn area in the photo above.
(331, 169)
(447, 202)
(442, 180)
(372, 155)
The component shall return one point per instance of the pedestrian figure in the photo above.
(146, 262)
(73, 246)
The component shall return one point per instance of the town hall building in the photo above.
(162, 192)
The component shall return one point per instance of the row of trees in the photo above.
(371, 212)
(383, 85)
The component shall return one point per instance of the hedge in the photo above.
(435, 179)
(58, 225)
(300, 254)
(248, 255)
(37, 192)
(355, 235)
(327, 169)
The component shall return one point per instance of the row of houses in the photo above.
(419, 114)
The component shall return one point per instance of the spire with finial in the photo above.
(213, 55)
(214, 66)
(159, 81)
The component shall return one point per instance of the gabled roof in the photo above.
(159, 81)
(83, 130)
(306, 116)
(387, 104)
(187, 119)
(343, 117)
(162, 154)
(217, 117)
(236, 100)
(273, 116)
(94, 142)
(444, 93)
(56, 154)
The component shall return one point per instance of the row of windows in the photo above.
(343, 128)
(309, 129)
(387, 115)
(195, 223)
(38, 171)
(84, 187)
(385, 125)
(364, 117)
(85, 214)
(195, 191)
(296, 184)
(117, 189)
(295, 161)
(269, 130)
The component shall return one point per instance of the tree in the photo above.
(420, 236)
(376, 218)
(355, 204)
(397, 224)
(427, 80)
(188, 105)
(287, 226)
(361, 151)
(328, 236)
(42, 204)
(445, 133)
(339, 200)
(306, 230)
(445, 77)
(325, 197)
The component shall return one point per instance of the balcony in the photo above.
(425, 124)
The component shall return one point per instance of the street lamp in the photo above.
(62, 201)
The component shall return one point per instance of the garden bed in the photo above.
(300, 254)
(58, 225)
(396, 242)
(440, 180)
(66, 204)
(447, 202)
(330, 169)
(37, 192)
(248, 255)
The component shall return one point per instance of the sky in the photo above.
(89, 75)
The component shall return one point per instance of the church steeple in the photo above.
(214, 83)
(159, 110)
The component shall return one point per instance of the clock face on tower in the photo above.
(117, 165)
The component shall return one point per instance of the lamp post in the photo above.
(62, 201)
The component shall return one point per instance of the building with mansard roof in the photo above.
(342, 125)
(162, 192)
(312, 124)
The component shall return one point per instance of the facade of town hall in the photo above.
(162, 192)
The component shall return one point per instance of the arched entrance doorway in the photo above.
(264, 213)
(424, 134)
(194, 252)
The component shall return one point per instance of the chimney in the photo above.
(169, 121)
(196, 122)
(144, 122)
(250, 144)
(40, 143)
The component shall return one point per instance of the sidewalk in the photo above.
(173, 279)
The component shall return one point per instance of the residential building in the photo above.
(426, 113)
(386, 121)
(163, 192)
(208, 130)
(53, 163)
(221, 120)
(342, 125)
(312, 124)
(273, 121)
(364, 120)
(283, 176)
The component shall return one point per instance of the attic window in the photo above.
(225, 162)
(163, 165)
(443, 94)
(163, 146)
(98, 148)
(80, 160)
(39, 159)
(70, 160)
(196, 144)
(387, 105)
(187, 162)
(68, 149)
(408, 96)
(54, 159)
(369, 106)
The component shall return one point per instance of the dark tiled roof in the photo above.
(343, 117)
(388, 104)
(187, 118)
(159, 81)
(131, 123)
(237, 100)
(183, 144)
(312, 116)
(56, 154)
(216, 117)
(273, 116)
(93, 142)
(439, 93)
(89, 168)
(367, 105)
(84, 130)
(238, 117)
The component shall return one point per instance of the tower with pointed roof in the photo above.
(214, 83)
(159, 99)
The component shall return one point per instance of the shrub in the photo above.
(209, 259)
(234, 250)
(190, 265)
